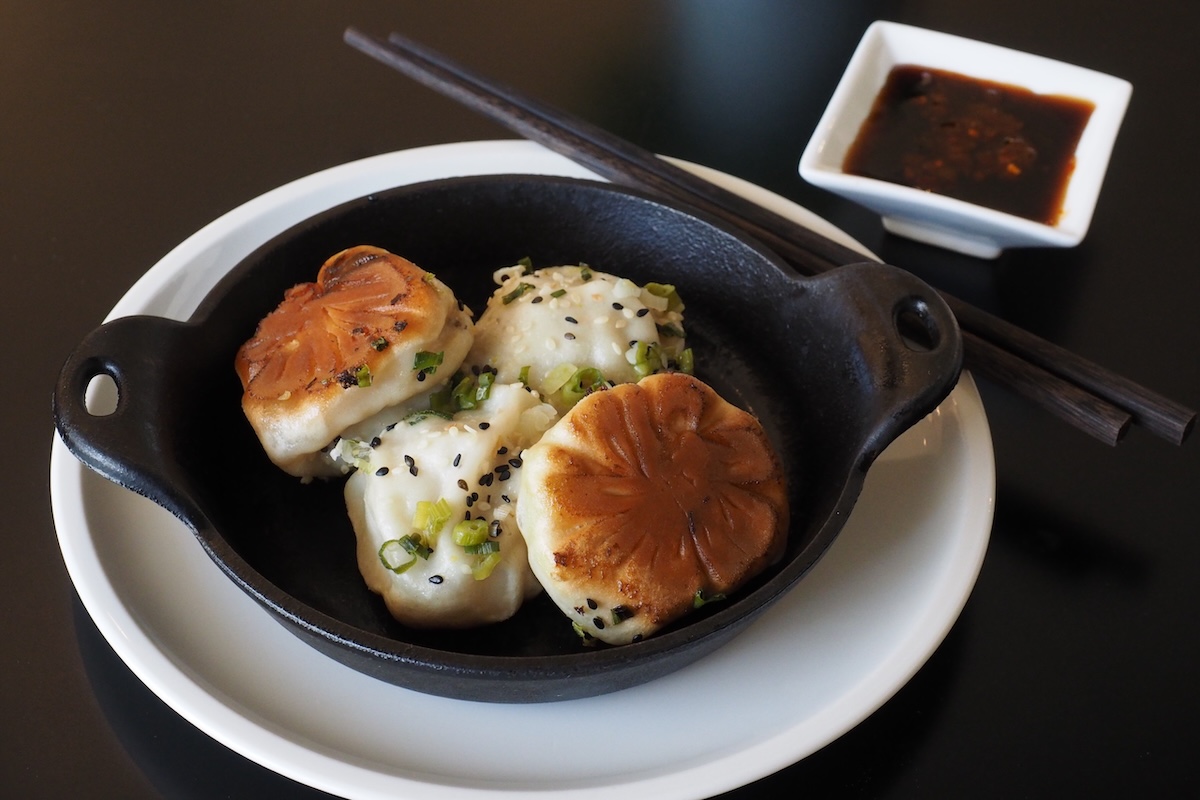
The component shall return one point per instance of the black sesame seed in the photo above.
(421, 376)
(457, 459)
(599, 623)
(409, 460)
(381, 471)
(571, 320)
(474, 495)
(436, 579)
(504, 476)
(390, 427)
(504, 497)
(376, 442)
(643, 312)
(537, 299)
(592, 604)
(463, 485)
(516, 462)
(637, 637)
(617, 306)
(470, 500)
(502, 451)
(485, 479)
(412, 471)
(569, 335)
(483, 426)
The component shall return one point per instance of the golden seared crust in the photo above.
(339, 349)
(363, 300)
(646, 494)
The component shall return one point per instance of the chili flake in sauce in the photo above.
(991, 144)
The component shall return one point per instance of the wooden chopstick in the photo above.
(1078, 391)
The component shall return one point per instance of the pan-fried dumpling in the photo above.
(366, 335)
(432, 506)
(647, 498)
(568, 330)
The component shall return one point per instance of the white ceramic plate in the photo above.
(818, 662)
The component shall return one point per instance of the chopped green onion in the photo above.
(558, 292)
(462, 396)
(645, 358)
(431, 516)
(484, 548)
(699, 599)
(667, 291)
(468, 392)
(582, 632)
(483, 386)
(585, 273)
(472, 536)
(470, 532)
(362, 376)
(687, 362)
(521, 289)
(581, 383)
(428, 362)
(353, 452)
(670, 329)
(523, 376)
(380, 343)
(558, 376)
(527, 263)
(391, 555)
(415, 543)
(425, 413)
(485, 566)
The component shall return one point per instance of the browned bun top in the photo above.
(362, 301)
(666, 489)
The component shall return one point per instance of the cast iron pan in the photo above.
(821, 362)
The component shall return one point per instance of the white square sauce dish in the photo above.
(966, 145)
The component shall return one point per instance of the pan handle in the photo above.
(125, 444)
(909, 342)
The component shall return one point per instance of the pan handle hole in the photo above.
(101, 396)
(917, 327)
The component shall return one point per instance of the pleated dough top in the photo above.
(645, 496)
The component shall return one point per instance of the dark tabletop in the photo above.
(125, 126)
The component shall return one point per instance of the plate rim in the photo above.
(154, 667)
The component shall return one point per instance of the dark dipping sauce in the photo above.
(987, 143)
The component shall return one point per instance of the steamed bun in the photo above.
(646, 498)
(418, 483)
(364, 336)
(568, 330)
